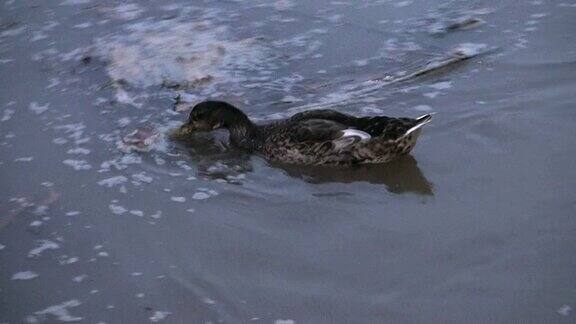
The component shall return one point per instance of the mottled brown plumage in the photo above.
(313, 137)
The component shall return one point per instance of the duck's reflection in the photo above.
(399, 176)
(216, 160)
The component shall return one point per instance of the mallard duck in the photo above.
(315, 137)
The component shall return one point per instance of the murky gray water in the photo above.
(476, 226)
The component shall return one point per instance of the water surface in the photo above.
(475, 226)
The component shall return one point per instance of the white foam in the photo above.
(80, 278)
(188, 53)
(69, 260)
(142, 177)
(36, 223)
(113, 181)
(159, 316)
(44, 245)
(7, 114)
(24, 275)
(441, 85)
(117, 209)
(79, 150)
(138, 213)
(24, 159)
(37, 108)
(284, 321)
(78, 164)
(61, 312)
(179, 199)
(564, 310)
(200, 196)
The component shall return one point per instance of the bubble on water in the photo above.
(78, 164)
(14, 31)
(103, 254)
(117, 209)
(44, 245)
(7, 114)
(208, 301)
(564, 310)
(72, 213)
(80, 278)
(141, 177)
(59, 141)
(38, 35)
(113, 181)
(24, 275)
(79, 150)
(191, 210)
(432, 95)
(83, 25)
(73, 131)
(178, 199)
(53, 82)
(124, 97)
(138, 213)
(200, 196)
(37, 108)
(284, 321)
(159, 316)
(136, 274)
(24, 159)
(61, 311)
(140, 295)
(157, 215)
(441, 85)
(2, 246)
(159, 160)
(63, 260)
(36, 223)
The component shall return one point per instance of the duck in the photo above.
(313, 137)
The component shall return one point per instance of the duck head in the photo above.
(210, 115)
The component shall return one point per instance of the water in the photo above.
(475, 226)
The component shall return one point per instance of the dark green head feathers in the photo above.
(313, 137)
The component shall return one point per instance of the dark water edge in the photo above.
(477, 225)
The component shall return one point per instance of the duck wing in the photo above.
(391, 128)
(325, 114)
(326, 131)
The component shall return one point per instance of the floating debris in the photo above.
(140, 139)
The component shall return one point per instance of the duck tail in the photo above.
(420, 121)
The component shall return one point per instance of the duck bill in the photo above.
(183, 131)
